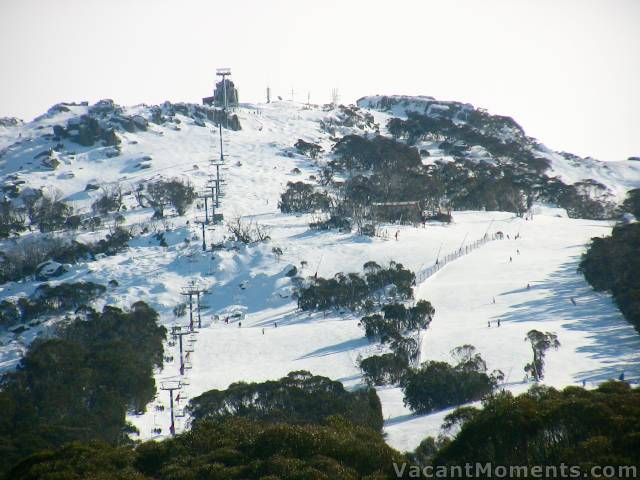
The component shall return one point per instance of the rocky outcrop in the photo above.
(10, 122)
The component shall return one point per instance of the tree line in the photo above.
(379, 179)
(542, 427)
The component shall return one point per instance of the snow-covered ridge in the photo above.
(618, 177)
(400, 105)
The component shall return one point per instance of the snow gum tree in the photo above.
(540, 343)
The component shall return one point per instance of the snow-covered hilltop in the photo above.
(251, 327)
(618, 176)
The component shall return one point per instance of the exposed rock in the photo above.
(51, 162)
(112, 152)
(10, 122)
(104, 107)
(49, 158)
(49, 269)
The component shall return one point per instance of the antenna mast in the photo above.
(224, 73)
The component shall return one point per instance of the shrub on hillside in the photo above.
(309, 149)
(437, 385)
(176, 193)
(412, 318)
(46, 300)
(12, 219)
(109, 201)
(376, 327)
(23, 259)
(247, 231)
(631, 203)
(356, 153)
(384, 369)
(333, 222)
(49, 213)
(352, 290)
(302, 197)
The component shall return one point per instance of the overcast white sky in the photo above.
(568, 71)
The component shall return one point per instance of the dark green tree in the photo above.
(540, 343)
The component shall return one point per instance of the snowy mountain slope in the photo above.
(252, 279)
(617, 176)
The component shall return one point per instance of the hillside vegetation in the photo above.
(612, 264)
(79, 385)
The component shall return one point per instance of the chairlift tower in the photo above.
(170, 386)
(193, 289)
(215, 184)
(206, 195)
(212, 185)
(204, 238)
(179, 331)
